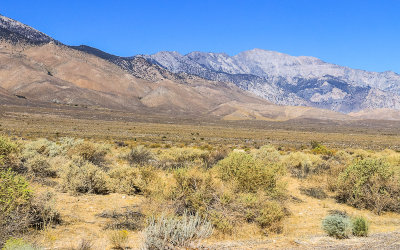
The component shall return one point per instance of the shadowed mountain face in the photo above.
(34, 68)
(289, 80)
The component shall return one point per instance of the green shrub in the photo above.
(14, 192)
(360, 226)
(301, 165)
(6, 148)
(221, 222)
(20, 209)
(8, 154)
(18, 244)
(170, 233)
(270, 217)
(249, 174)
(84, 177)
(337, 225)
(318, 148)
(370, 183)
(139, 155)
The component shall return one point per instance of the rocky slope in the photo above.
(289, 80)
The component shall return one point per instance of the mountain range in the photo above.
(255, 84)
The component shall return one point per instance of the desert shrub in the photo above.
(370, 183)
(19, 244)
(172, 233)
(318, 148)
(360, 226)
(315, 192)
(14, 200)
(359, 154)
(270, 216)
(84, 177)
(301, 165)
(6, 149)
(42, 212)
(9, 155)
(268, 155)
(14, 192)
(215, 156)
(119, 239)
(40, 167)
(337, 225)
(182, 157)
(139, 155)
(194, 190)
(126, 180)
(41, 146)
(128, 219)
(20, 208)
(249, 174)
(91, 152)
(221, 222)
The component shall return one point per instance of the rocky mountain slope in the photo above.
(37, 68)
(289, 80)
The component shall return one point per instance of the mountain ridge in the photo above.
(290, 79)
(46, 70)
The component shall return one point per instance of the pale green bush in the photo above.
(268, 155)
(337, 225)
(181, 157)
(40, 167)
(80, 176)
(170, 233)
(301, 165)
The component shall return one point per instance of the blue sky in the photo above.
(361, 34)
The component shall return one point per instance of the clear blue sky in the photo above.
(361, 34)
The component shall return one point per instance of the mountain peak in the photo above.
(17, 31)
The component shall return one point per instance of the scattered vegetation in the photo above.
(188, 193)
